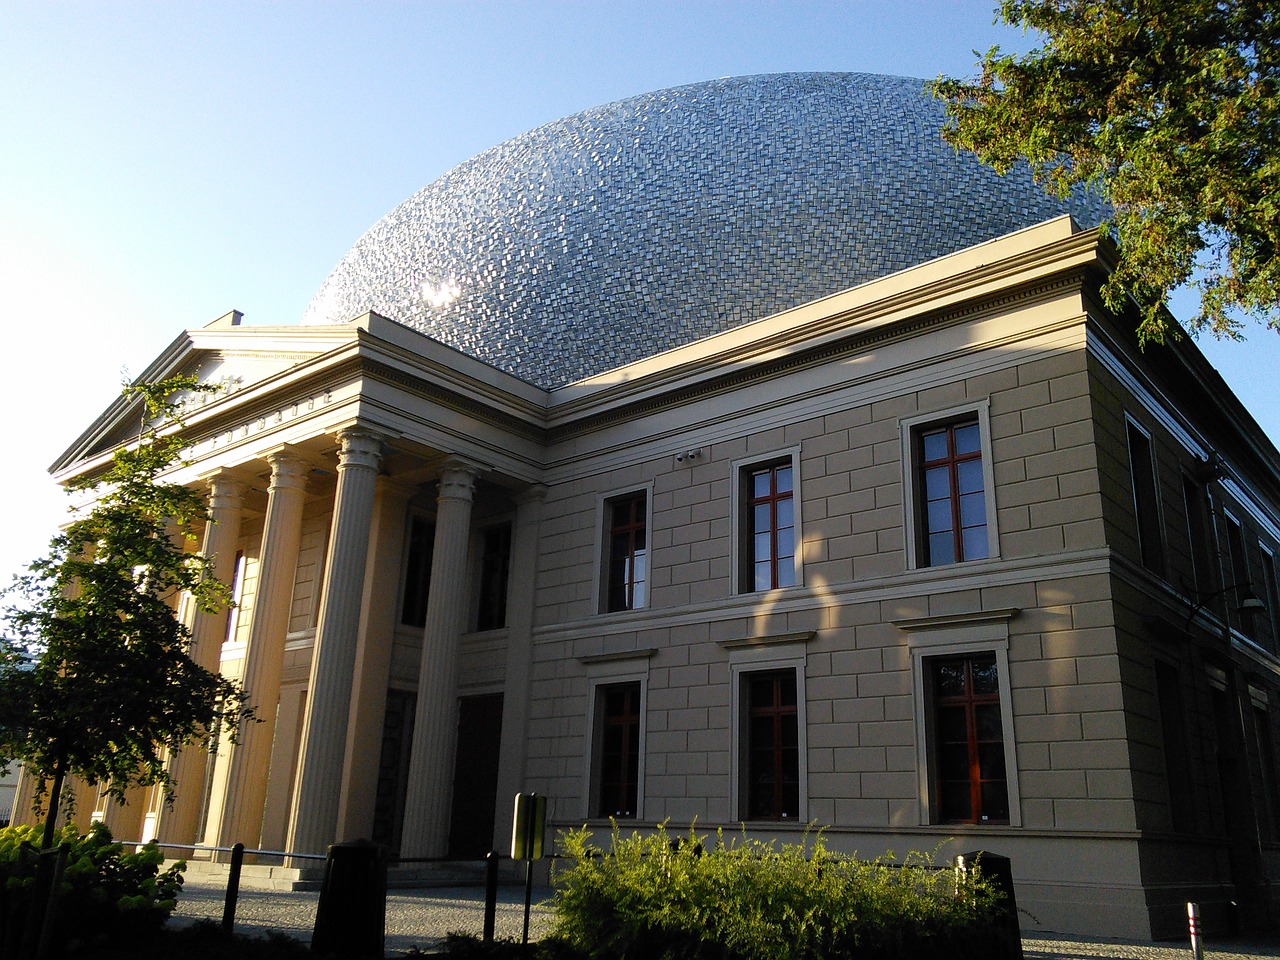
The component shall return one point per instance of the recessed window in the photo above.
(772, 746)
(1193, 498)
(1268, 820)
(1270, 618)
(627, 560)
(417, 572)
(952, 494)
(1177, 757)
(767, 526)
(1146, 503)
(949, 500)
(970, 782)
(619, 715)
(495, 572)
(1239, 586)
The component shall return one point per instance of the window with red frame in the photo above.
(953, 497)
(769, 554)
(619, 750)
(772, 747)
(968, 741)
(627, 570)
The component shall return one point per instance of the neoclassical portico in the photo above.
(329, 795)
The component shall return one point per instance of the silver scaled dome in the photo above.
(643, 225)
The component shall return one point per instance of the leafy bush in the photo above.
(205, 940)
(106, 894)
(648, 898)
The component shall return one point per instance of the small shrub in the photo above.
(648, 898)
(205, 940)
(106, 894)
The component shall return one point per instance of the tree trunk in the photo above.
(55, 793)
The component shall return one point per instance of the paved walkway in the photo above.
(422, 918)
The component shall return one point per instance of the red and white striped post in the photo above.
(1193, 926)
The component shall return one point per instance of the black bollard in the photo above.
(999, 871)
(490, 893)
(233, 889)
(351, 915)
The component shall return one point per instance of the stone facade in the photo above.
(425, 551)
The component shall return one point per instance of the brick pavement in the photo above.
(422, 917)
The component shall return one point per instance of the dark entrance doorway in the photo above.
(475, 775)
(393, 769)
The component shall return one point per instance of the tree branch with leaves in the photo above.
(95, 674)
(1171, 108)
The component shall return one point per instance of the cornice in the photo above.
(641, 653)
(935, 285)
(952, 620)
(854, 342)
(780, 639)
(452, 399)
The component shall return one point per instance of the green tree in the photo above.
(1172, 109)
(94, 670)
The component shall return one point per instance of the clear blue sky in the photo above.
(162, 163)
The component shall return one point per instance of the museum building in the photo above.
(739, 453)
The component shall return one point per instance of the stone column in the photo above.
(240, 818)
(178, 823)
(380, 612)
(515, 695)
(435, 728)
(313, 818)
(24, 797)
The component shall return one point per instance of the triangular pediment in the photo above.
(234, 357)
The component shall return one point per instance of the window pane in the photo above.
(953, 761)
(935, 445)
(973, 509)
(968, 439)
(763, 547)
(969, 476)
(991, 761)
(787, 572)
(760, 518)
(937, 483)
(761, 734)
(760, 483)
(956, 804)
(950, 679)
(942, 548)
(995, 801)
(975, 543)
(783, 475)
(939, 516)
(786, 548)
(764, 575)
(985, 678)
(987, 718)
(786, 513)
